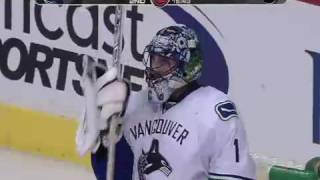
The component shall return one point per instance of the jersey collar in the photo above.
(179, 95)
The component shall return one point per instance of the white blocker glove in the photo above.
(105, 97)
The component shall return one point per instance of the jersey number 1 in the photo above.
(236, 145)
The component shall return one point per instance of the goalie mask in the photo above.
(172, 59)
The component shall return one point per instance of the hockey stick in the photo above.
(115, 120)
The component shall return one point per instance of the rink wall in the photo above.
(40, 133)
(265, 57)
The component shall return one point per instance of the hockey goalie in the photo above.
(176, 129)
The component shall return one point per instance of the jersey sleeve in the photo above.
(229, 156)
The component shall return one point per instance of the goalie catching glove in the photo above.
(105, 97)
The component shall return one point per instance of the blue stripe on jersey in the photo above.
(123, 162)
(316, 96)
(230, 175)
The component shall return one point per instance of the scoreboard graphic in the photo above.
(160, 3)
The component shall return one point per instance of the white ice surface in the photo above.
(22, 166)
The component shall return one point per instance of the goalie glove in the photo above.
(105, 97)
(112, 100)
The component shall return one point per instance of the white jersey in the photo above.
(201, 137)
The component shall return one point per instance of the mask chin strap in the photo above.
(160, 91)
(176, 83)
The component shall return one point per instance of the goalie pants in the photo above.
(123, 162)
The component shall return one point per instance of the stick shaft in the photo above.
(116, 62)
(111, 150)
(118, 39)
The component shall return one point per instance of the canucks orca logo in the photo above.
(152, 161)
(226, 110)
